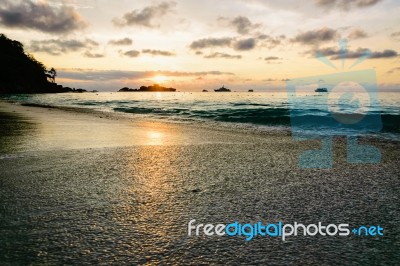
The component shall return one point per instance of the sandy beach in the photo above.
(97, 188)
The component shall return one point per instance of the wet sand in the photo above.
(81, 188)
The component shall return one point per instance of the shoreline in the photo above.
(74, 127)
(210, 124)
(219, 126)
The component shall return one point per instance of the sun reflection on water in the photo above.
(155, 138)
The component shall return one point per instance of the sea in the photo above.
(308, 112)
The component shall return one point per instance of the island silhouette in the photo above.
(20, 72)
(155, 87)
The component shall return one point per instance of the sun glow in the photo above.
(160, 79)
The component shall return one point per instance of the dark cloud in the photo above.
(158, 52)
(89, 54)
(346, 4)
(259, 40)
(335, 54)
(100, 75)
(39, 15)
(242, 24)
(270, 41)
(223, 55)
(145, 16)
(245, 45)
(269, 58)
(357, 34)
(396, 69)
(124, 41)
(314, 37)
(199, 52)
(60, 46)
(273, 42)
(130, 53)
(272, 60)
(384, 54)
(328, 51)
(211, 42)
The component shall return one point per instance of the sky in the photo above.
(194, 45)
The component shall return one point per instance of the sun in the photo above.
(160, 79)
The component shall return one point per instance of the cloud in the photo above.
(124, 41)
(242, 24)
(395, 35)
(313, 37)
(211, 42)
(238, 44)
(396, 69)
(346, 4)
(272, 60)
(374, 55)
(39, 15)
(61, 46)
(245, 45)
(270, 41)
(130, 53)
(89, 54)
(277, 80)
(100, 75)
(357, 34)
(145, 16)
(214, 73)
(269, 58)
(335, 54)
(223, 55)
(158, 52)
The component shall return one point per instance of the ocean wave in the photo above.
(391, 123)
(263, 116)
(268, 110)
(310, 118)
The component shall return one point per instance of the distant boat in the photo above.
(205, 90)
(251, 90)
(222, 89)
(321, 90)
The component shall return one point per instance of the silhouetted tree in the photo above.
(20, 72)
(51, 74)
